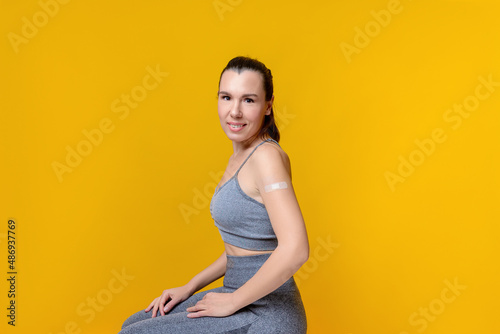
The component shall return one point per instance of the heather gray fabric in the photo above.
(242, 221)
(281, 311)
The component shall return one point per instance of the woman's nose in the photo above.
(235, 109)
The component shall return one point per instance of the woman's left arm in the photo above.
(288, 224)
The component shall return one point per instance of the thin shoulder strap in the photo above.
(254, 151)
(273, 141)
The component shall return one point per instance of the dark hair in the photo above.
(240, 64)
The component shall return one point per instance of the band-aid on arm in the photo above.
(275, 186)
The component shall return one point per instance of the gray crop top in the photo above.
(242, 221)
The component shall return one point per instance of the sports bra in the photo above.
(242, 221)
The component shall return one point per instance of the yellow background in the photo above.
(379, 255)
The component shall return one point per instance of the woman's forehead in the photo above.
(245, 80)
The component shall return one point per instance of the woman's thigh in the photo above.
(179, 323)
(176, 321)
(180, 307)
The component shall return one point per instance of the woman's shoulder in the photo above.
(270, 156)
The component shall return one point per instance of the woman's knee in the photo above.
(138, 316)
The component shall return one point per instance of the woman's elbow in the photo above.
(297, 253)
(300, 255)
(303, 254)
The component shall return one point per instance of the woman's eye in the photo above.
(249, 100)
(225, 97)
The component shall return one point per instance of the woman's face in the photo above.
(242, 104)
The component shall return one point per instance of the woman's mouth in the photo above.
(235, 127)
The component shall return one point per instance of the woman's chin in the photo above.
(240, 137)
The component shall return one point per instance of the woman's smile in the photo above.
(235, 127)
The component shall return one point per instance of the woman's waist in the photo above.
(233, 250)
(239, 269)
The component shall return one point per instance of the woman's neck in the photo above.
(243, 146)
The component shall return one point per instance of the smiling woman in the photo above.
(260, 222)
(245, 90)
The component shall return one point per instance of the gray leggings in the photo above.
(281, 311)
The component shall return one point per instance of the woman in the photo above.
(257, 214)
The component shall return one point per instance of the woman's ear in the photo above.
(269, 106)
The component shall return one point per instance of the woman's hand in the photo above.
(213, 304)
(176, 295)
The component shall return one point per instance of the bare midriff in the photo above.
(238, 251)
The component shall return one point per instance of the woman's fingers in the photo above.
(168, 299)
(213, 305)
(158, 305)
(199, 306)
(198, 310)
(150, 305)
(155, 308)
(160, 302)
(170, 304)
(163, 299)
(197, 314)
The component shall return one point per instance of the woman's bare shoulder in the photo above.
(271, 157)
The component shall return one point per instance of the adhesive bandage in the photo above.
(275, 186)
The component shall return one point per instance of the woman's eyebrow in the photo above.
(248, 94)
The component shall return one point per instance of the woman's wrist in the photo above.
(234, 302)
(191, 286)
(237, 300)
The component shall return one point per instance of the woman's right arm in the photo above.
(176, 295)
(211, 273)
